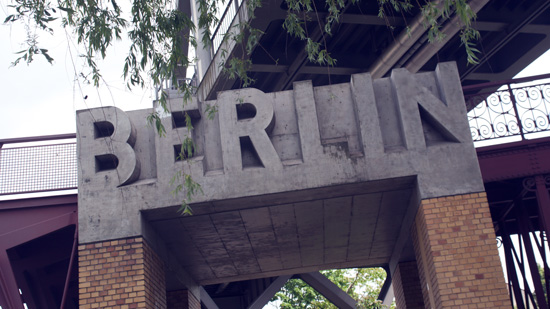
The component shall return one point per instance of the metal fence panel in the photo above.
(522, 111)
(38, 168)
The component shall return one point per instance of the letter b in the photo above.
(106, 137)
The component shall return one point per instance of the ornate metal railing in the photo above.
(514, 109)
(38, 168)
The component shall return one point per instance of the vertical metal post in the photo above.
(543, 201)
(513, 99)
(511, 268)
(521, 259)
(1, 144)
(8, 284)
(529, 252)
(68, 278)
(545, 264)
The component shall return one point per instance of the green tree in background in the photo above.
(362, 284)
(542, 279)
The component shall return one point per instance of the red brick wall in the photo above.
(124, 273)
(407, 286)
(182, 299)
(456, 253)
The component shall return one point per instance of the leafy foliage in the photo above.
(362, 284)
(157, 30)
(542, 275)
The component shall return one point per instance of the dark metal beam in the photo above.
(300, 61)
(428, 50)
(390, 21)
(529, 157)
(68, 278)
(206, 300)
(511, 270)
(8, 285)
(32, 297)
(269, 292)
(361, 19)
(533, 267)
(496, 84)
(34, 222)
(507, 34)
(37, 138)
(40, 202)
(331, 70)
(329, 290)
(272, 68)
(269, 68)
(543, 201)
(27, 233)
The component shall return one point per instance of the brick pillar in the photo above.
(124, 273)
(458, 261)
(407, 287)
(182, 299)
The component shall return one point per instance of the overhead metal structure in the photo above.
(513, 34)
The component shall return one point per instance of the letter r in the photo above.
(232, 129)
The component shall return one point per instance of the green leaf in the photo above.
(9, 18)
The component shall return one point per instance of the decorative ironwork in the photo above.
(38, 168)
(510, 111)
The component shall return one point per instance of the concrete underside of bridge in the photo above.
(367, 173)
(355, 225)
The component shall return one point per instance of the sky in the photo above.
(41, 99)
